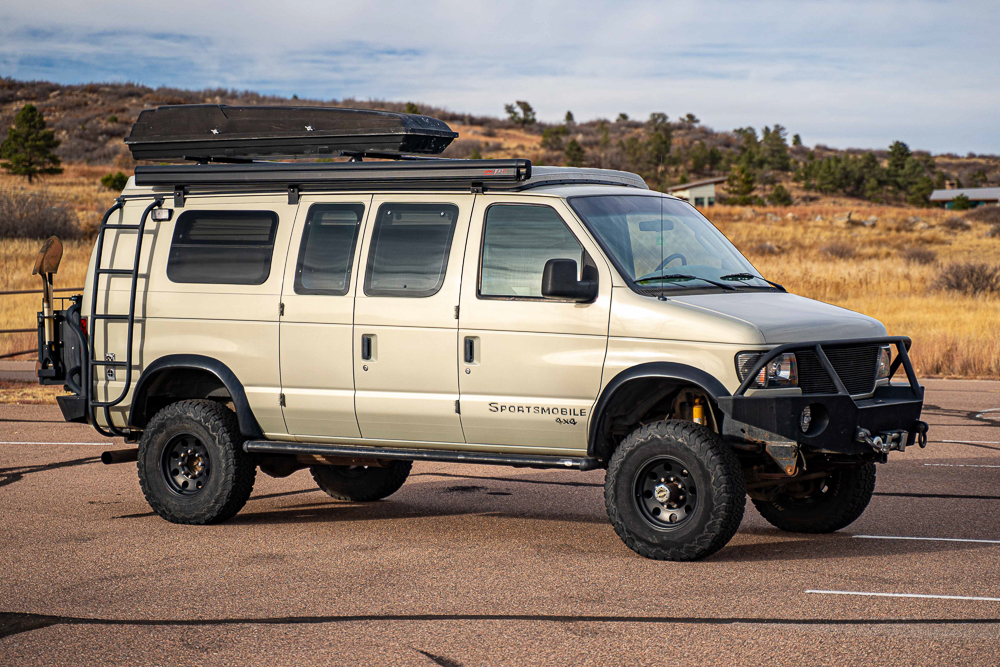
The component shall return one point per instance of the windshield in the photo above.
(664, 243)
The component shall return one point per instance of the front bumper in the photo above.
(839, 422)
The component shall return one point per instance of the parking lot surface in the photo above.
(491, 565)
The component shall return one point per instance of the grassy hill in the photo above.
(92, 119)
(887, 259)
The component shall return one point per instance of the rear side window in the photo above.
(224, 247)
(327, 251)
(409, 250)
(517, 242)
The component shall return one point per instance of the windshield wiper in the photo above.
(682, 276)
(750, 276)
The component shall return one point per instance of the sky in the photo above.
(843, 74)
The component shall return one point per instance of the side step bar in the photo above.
(447, 456)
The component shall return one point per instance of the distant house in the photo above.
(699, 193)
(977, 196)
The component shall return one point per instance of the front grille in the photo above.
(812, 378)
(856, 366)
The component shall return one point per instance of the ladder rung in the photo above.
(115, 272)
(121, 226)
(109, 317)
(96, 362)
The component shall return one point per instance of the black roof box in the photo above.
(224, 133)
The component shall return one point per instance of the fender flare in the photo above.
(666, 370)
(248, 423)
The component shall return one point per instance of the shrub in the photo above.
(115, 181)
(969, 278)
(994, 231)
(463, 149)
(987, 214)
(779, 196)
(767, 248)
(919, 256)
(112, 119)
(960, 203)
(35, 215)
(838, 250)
(574, 153)
(956, 224)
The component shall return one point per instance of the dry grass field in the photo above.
(886, 270)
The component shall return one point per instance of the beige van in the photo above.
(354, 317)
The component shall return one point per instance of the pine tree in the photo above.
(741, 183)
(661, 137)
(569, 117)
(521, 113)
(574, 153)
(28, 146)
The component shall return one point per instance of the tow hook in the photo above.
(888, 441)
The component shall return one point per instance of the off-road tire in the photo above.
(361, 484)
(848, 492)
(231, 471)
(713, 468)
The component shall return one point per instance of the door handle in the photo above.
(470, 350)
(366, 347)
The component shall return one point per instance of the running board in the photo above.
(447, 456)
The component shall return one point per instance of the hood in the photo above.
(788, 318)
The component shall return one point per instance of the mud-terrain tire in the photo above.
(836, 503)
(691, 463)
(212, 482)
(361, 483)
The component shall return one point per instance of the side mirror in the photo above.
(559, 281)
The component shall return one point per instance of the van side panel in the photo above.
(236, 324)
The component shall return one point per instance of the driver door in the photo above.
(530, 367)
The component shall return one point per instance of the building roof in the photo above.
(694, 184)
(974, 194)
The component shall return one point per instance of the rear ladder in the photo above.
(95, 317)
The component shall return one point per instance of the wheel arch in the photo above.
(202, 377)
(665, 377)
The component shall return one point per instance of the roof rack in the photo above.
(222, 133)
(296, 177)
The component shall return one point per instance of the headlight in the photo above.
(782, 371)
(884, 363)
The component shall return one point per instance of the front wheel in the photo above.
(674, 491)
(821, 505)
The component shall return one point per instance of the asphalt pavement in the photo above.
(473, 565)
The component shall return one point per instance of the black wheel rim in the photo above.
(665, 493)
(185, 465)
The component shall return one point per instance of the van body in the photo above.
(581, 321)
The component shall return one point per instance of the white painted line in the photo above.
(907, 595)
(973, 442)
(980, 414)
(103, 444)
(959, 465)
(926, 539)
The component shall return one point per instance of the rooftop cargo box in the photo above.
(219, 132)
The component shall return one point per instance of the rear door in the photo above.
(405, 323)
(317, 371)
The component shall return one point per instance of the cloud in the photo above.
(845, 74)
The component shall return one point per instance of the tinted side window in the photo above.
(225, 247)
(410, 246)
(517, 241)
(327, 251)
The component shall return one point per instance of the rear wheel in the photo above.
(361, 483)
(192, 467)
(821, 505)
(674, 491)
